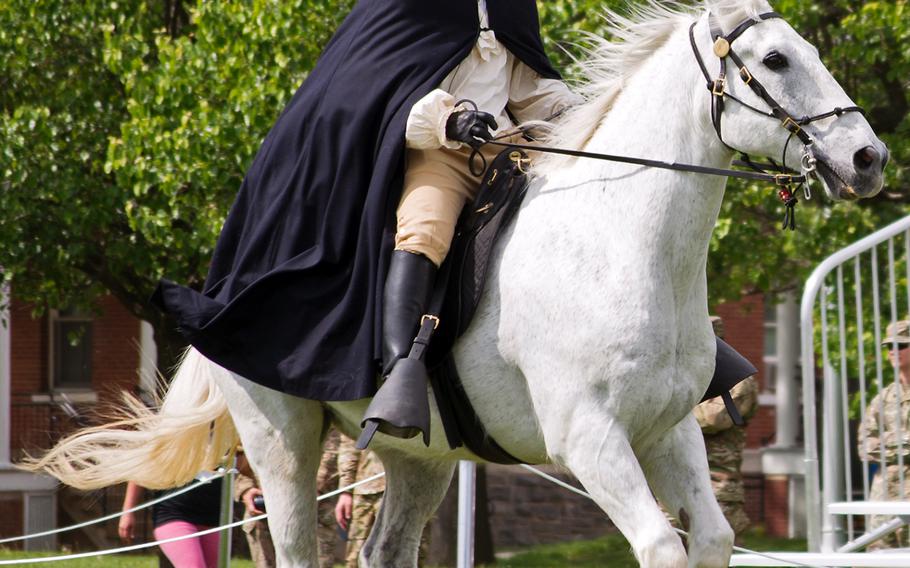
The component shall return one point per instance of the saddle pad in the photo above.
(502, 189)
(500, 194)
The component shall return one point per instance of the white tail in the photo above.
(190, 432)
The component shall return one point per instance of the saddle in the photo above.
(459, 289)
(460, 286)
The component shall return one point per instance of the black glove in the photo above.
(469, 125)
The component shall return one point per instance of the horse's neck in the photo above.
(601, 250)
(661, 113)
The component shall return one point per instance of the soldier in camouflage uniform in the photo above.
(724, 443)
(360, 505)
(887, 423)
(357, 509)
(258, 537)
(326, 481)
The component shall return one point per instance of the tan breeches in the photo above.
(437, 184)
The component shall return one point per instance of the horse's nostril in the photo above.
(866, 158)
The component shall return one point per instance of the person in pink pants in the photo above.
(184, 514)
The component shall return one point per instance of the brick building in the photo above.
(55, 370)
(45, 372)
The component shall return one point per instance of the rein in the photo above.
(784, 178)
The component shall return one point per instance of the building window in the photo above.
(71, 350)
(770, 355)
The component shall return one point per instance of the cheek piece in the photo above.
(723, 49)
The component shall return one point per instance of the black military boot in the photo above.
(400, 407)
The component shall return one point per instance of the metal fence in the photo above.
(847, 304)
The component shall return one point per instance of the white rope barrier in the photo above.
(573, 489)
(557, 481)
(328, 495)
(176, 538)
(146, 505)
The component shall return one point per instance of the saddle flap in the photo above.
(501, 191)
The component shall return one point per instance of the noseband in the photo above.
(723, 49)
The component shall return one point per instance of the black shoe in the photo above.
(400, 407)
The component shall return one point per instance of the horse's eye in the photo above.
(775, 61)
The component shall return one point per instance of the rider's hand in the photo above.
(343, 510)
(469, 125)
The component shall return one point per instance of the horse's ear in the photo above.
(729, 13)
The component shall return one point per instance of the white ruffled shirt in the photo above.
(494, 79)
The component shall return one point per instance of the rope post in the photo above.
(227, 514)
(467, 471)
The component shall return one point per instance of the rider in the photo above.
(291, 300)
(440, 137)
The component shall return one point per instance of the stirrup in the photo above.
(401, 407)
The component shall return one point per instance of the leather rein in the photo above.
(782, 176)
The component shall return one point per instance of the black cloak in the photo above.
(293, 297)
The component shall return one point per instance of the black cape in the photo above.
(292, 300)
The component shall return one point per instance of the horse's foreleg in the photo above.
(414, 489)
(281, 438)
(601, 458)
(677, 468)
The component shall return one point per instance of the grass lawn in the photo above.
(610, 551)
(613, 551)
(109, 561)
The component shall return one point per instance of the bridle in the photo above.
(784, 177)
(723, 49)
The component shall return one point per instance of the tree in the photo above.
(126, 133)
(126, 126)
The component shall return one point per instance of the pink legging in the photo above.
(199, 552)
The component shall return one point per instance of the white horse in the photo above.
(592, 344)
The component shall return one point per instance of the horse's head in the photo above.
(772, 96)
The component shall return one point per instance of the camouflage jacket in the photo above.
(354, 465)
(724, 441)
(887, 422)
(712, 414)
(327, 476)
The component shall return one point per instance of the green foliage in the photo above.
(198, 111)
(125, 131)
(126, 126)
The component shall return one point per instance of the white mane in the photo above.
(609, 63)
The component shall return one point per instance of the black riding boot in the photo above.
(400, 407)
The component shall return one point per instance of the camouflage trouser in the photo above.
(262, 551)
(735, 513)
(879, 492)
(363, 515)
(325, 533)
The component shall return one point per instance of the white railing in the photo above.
(847, 304)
